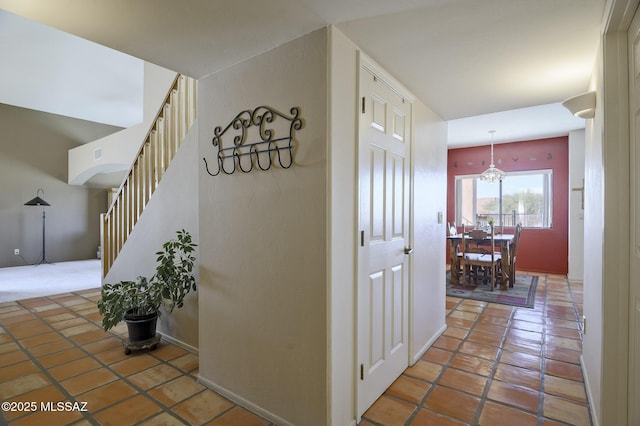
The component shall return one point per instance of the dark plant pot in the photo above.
(141, 327)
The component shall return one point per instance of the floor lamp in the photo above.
(40, 202)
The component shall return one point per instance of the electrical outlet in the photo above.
(16, 252)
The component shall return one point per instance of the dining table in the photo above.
(504, 241)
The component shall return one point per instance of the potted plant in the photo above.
(138, 302)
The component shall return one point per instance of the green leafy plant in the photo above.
(173, 280)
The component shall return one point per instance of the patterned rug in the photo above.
(523, 293)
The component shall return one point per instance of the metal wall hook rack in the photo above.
(256, 141)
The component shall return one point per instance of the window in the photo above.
(521, 197)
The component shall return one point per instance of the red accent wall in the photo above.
(541, 250)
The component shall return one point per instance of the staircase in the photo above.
(174, 119)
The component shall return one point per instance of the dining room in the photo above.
(535, 192)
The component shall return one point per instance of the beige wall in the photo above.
(277, 287)
(174, 206)
(342, 227)
(605, 355)
(429, 204)
(429, 198)
(33, 155)
(576, 207)
(593, 241)
(120, 149)
(263, 272)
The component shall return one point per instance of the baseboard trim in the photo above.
(594, 418)
(427, 345)
(237, 399)
(179, 343)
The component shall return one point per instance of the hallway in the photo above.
(494, 365)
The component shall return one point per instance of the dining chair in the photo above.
(475, 260)
(511, 260)
(458, 248)
(513, 254)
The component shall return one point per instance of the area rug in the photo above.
(523, 293)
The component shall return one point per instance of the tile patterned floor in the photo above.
(495, 365)
(53, 349)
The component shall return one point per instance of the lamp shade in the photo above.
(583, 105)
(37, 202)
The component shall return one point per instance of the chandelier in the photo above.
(492, 174)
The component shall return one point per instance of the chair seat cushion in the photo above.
(481, 257)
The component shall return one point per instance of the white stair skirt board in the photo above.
(25, 282)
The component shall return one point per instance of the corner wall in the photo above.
(343, 119)
(428, 264)
(429, 205)
(576, 205)
(263, 280)
(593, 270)
(605, 352)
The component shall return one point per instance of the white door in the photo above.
(634, 201)
(383, 316)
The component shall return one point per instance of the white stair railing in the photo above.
(175, 118)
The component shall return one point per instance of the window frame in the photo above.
(547, 196)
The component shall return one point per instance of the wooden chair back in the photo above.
(480, 257)
(516, 241)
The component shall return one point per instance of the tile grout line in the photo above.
(494, 368)
(577, 322)
(168, 409)
(543, 354)
(53, 381)
(544, 313)
(420, 404)
(432, 385)
(547, 321)
(581, 336)
(89, 415)
(139, 390)
(447, 365)
(86, 353)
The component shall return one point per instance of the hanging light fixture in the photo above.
(492, 174)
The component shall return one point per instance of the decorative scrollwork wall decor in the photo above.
(258, 140)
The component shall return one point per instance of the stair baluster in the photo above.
(174, 119)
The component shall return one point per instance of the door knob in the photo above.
(408, 250)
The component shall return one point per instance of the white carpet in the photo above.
(25, 282)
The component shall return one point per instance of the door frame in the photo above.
(633, 373)
(615, 395)
(368, 64)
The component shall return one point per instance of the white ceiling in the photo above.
(462, 58)
(542, 121)
(48, 70)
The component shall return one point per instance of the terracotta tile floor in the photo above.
(495, 365)
(53, 349)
